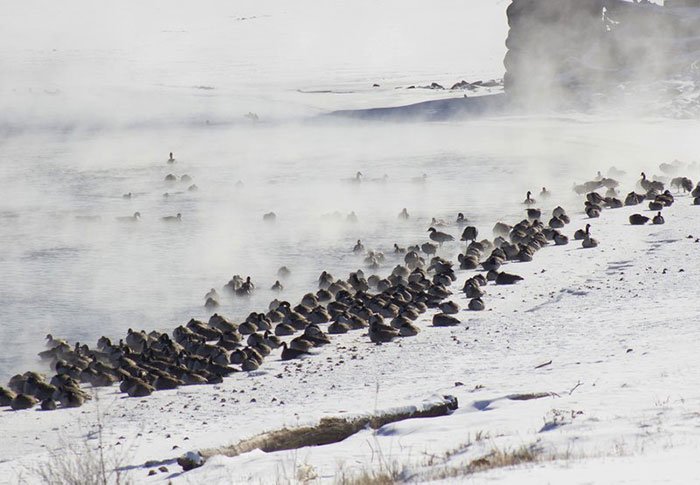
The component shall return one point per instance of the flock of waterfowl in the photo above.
(169, 179)
(385, 308)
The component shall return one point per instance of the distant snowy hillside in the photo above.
(130, 62)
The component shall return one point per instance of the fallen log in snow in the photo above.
(334, 429)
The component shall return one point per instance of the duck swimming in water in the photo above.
(177, 218)
(403, 214)
(171, 159)
(136, 217)
(438, 223)
(359, 247)
(544, 194)
(356, 179)
(528, 199)
(420, 180)
(246, 289)
(461, 220)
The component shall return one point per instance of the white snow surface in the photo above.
(619, 322)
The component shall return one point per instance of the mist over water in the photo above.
(84, 124)
(81, 279)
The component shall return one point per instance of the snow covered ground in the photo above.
(89, 111)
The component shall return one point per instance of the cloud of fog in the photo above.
(598, 53)
(167, 62)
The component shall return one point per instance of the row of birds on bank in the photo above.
(594, 205)
(199, 352)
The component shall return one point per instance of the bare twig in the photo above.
(575, 387)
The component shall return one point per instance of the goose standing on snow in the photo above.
(658, 219)
(648, 185)
(439, 237)
(682, 183)
(470, 233)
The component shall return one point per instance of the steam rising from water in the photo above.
(82, 279)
